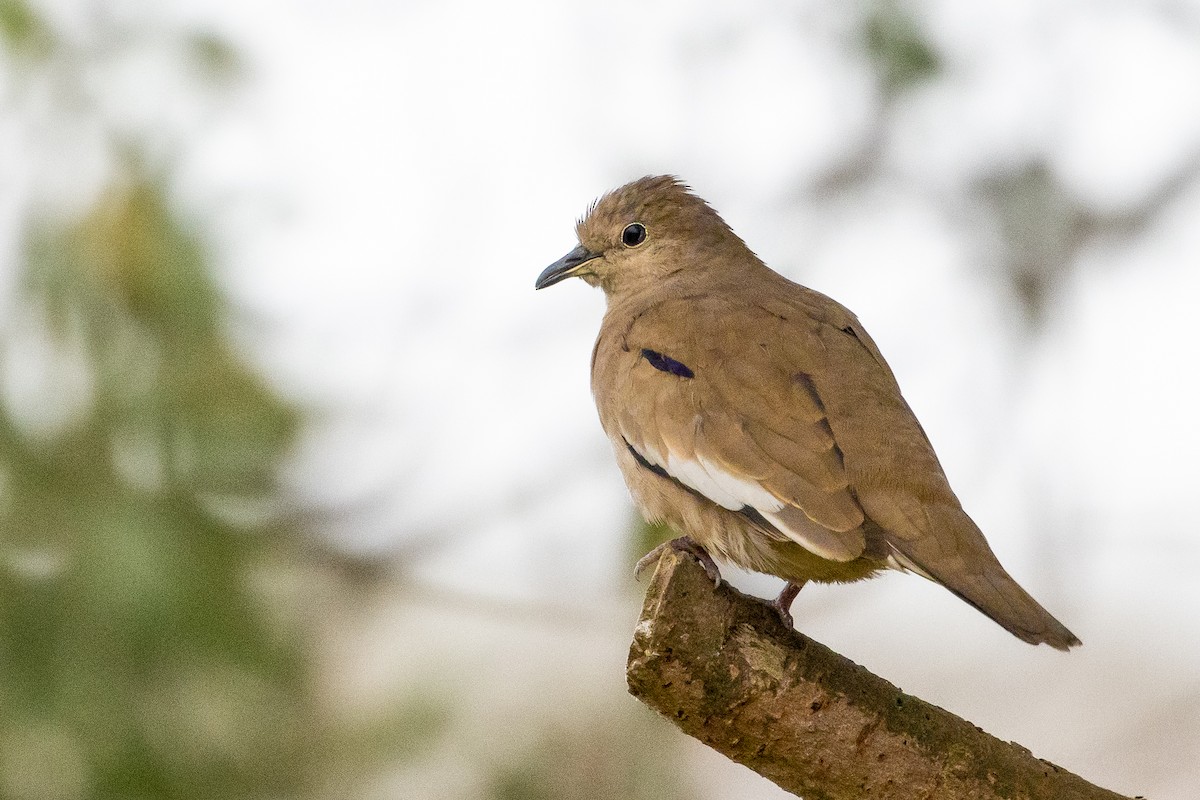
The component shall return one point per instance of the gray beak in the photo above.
(565, 267)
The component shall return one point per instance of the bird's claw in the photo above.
(681, 544)
(785, 616)
(783, 603)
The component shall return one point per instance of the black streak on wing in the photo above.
(666, 363)
(642, 462)
(806, 382)
(749, 512)
(758, 520)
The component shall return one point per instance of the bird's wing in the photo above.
(889, 460)
(720, 398)
(902, 488)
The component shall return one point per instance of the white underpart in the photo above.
(709, 479)
(897, 560)
(734, 493)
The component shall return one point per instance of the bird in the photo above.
(758, 419)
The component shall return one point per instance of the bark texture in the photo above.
(724, 669)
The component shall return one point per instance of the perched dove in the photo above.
(757, 418)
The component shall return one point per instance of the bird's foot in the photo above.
(681, 544)
(783, 603)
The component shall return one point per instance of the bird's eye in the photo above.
(634, 234)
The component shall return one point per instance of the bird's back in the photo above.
(780, 387)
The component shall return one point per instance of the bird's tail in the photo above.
(976, 575)
(997, 595)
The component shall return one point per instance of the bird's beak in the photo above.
(568, 266)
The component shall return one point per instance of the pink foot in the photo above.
(783, 603)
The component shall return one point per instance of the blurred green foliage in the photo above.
(21, 31)
(646, 536)
(624, 754)
(1040, 223)
(157, 597)
(899, 50)
(135, 640)
(214, 59)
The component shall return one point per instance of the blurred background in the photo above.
(302, 493)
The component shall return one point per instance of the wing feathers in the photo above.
(710, 479)
(834, 545)
(747, 431)
(738, 494)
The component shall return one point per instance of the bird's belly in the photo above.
(731, 537)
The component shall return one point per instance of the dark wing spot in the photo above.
(642, 462)
(666, 363)
(849, 331)
(806, 382)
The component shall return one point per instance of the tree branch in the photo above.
(725, 670)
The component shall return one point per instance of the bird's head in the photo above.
(644, 233)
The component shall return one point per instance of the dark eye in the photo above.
(634, 234)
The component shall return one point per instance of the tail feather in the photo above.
(1003, 600)
(971, 571)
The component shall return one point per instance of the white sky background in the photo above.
(393, 177)
(427, 160)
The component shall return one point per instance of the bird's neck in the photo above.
(690, 280)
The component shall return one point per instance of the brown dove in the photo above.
(756, 416)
